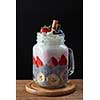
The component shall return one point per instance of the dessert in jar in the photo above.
(53, 61)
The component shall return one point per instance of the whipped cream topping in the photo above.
(50, 38)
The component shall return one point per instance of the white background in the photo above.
(91, 49)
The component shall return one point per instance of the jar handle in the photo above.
(71, 66)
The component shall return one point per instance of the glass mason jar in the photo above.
(53, 61)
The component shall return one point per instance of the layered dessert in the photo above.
(50, 57)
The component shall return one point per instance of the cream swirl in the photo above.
(49, 38)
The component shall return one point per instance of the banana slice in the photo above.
(53, 80)
(40, 77)
(63, 75)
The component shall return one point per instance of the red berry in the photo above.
(39, 62)
(63, 60)
(54, 61)
(36, 64)
(44, 29)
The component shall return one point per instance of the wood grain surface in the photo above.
(21, 93)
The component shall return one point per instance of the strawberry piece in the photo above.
(39, 62)
(34, 62)
(63, 60)
(44, 29)
(54, 61)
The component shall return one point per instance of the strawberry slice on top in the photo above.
(45, 29)
(63, 60)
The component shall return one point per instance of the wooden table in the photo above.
(21, 94)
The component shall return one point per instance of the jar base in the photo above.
(33, 88)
